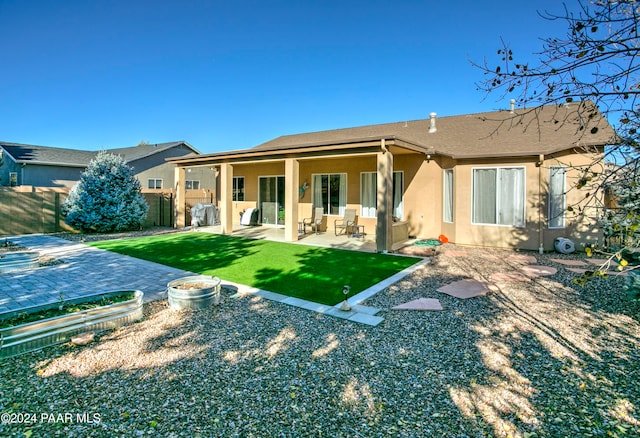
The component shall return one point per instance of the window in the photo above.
(369, 194)
(330, 192)
(447, 196)
(398, 189)
(238, 188)
(192, 184)
(557, 198)
(155, 183)
(498, 196)
(13, 179)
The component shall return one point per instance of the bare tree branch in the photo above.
(597, 60)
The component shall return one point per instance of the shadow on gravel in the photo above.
(539, 358)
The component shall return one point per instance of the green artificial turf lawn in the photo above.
(311, 273)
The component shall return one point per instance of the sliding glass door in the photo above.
(271, 199)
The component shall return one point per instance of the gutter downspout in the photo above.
(540, 204)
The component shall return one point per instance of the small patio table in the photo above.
(357, 231)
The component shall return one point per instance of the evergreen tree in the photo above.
(107, 198)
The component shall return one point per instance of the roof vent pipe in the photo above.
(432, 123)
(513, 106)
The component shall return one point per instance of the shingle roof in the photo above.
(144, 150)
(534, 131)
(24, 153)
(46, 155)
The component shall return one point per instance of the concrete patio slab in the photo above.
(424, 304)
(464, 289)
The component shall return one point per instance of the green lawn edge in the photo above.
(312, 273)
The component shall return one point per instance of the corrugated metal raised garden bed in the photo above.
(37, 327)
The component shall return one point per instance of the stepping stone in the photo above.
(577, 270)
(420, 304)
(538, 270)
(601, 262)
(504, 277)
(464, 289)
(518, 258)
(582, 271)
(524, 259)
(569, 262)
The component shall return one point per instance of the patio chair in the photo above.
(347, 221)
(315, 221)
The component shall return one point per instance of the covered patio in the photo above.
(286, 182)
(323, 239)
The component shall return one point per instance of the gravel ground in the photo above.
(530, 359)
(94, 237)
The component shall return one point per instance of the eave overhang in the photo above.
(362, 146)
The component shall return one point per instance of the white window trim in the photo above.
(564, 200)
(361, 196)
(393, 207)
(524, 188)
(401, 172)
(155, 180)
(346, 182)
(244, 185)
(453, 197)
(192, 181)
(11, 175)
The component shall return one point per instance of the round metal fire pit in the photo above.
(195, 292)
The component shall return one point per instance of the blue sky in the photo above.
(226, 75)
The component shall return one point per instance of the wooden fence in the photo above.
(30, 210)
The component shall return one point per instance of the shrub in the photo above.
(107, 198)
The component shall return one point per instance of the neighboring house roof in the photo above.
(51, 156)
(523, 132)
(145, 150)
(31, 154)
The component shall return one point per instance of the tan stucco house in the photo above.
(499, 179)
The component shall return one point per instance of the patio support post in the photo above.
(384, 231)
(226, 198)
(179, 188)
(291, 181)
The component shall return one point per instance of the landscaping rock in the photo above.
(84, 338)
